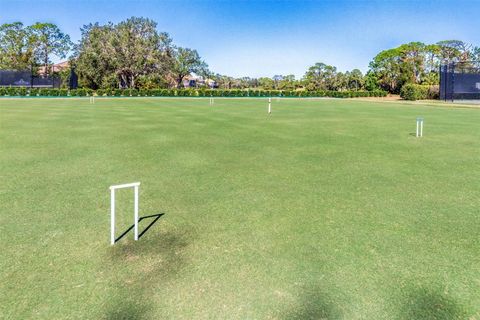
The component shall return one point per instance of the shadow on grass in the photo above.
(428, 304)
(314, 304)
(156, 216)
(139, 268)
(127, 309)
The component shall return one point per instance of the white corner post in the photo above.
(112, 216)
(419, 132)
(135, 213)
(269, 105)
(135, 186)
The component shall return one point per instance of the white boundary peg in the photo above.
(269, 105)
(419, 132)
(136, 186)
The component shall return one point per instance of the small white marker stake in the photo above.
(269, 105)
(419, 132)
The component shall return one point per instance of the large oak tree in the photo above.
(119, 55)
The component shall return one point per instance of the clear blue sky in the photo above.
(264, 38)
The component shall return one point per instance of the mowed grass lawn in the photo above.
(326, 209)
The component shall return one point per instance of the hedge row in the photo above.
(414, 92)
(13, 91)
(43, 92)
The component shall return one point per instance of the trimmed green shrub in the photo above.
(42, 92)
(414, 92)
(33, 92)
(21, 91)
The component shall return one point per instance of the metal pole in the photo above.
(136, 212)
(445, 81)
(112, 216)
(31, 76)
(453, 79)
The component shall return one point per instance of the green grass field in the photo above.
(326, 209)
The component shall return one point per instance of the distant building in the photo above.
(193, 81)
(211, 83)
(65, 65)
(190, 81)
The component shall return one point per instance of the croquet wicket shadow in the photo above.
(140, 234)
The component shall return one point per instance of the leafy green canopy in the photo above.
(28, 47)
(131, 54)
(417, 63)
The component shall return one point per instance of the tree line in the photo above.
(134, 54)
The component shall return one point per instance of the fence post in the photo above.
(453, 80)
(31, 77)
(442, 82)
(445, 82)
